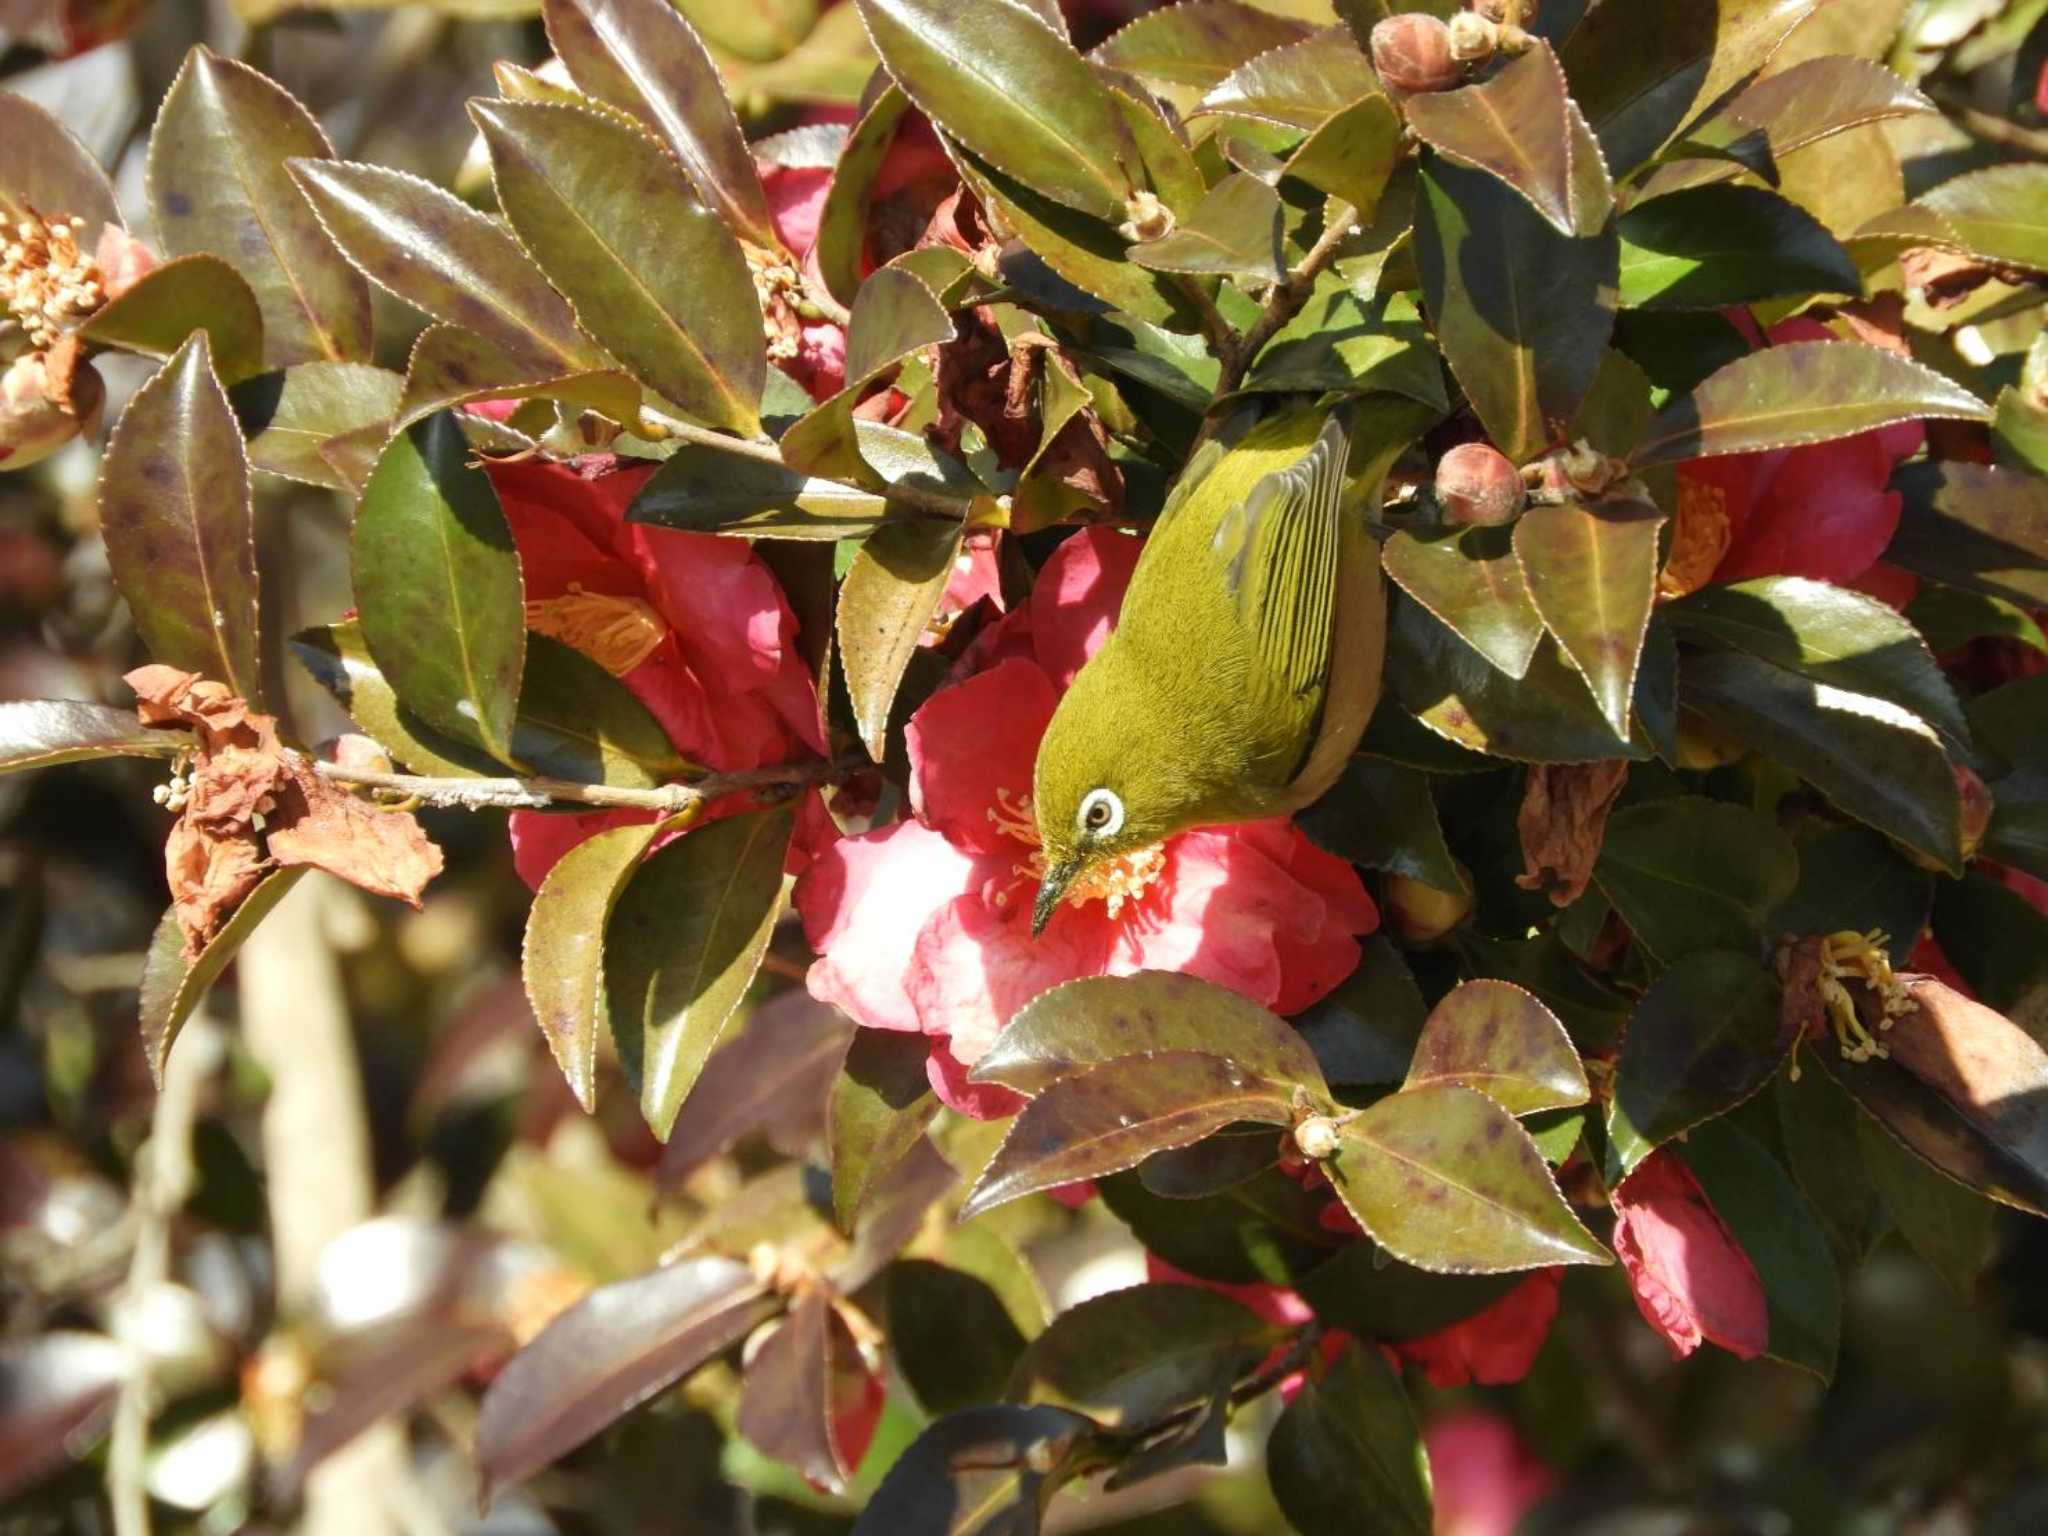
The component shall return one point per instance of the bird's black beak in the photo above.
(1050, 890)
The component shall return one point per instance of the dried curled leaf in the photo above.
(1562, 823)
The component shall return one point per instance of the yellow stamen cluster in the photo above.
(1699, 538)
(1863, 957)
(618, 633)
(780, 287)
(46, 280)
(1113, 882)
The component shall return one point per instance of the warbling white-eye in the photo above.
(1246, 659)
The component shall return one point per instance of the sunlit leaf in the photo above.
(170, 302)
(1197, 43)
(802, 1381)
(1494, 1037)
(1708, 247)
(1592, 573)
(889, 595)
(172, 986)
(1999, 214)
(1472, 583)
(1516, 125)
(1235, 232)
(39, 733)
(288, 415)
(1299, 85)
(881, 1102)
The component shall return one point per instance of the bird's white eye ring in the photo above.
(1102, 813)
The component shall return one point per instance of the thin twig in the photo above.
(538, 793)
(1284, 303)
(1223, 339)
(820, 298)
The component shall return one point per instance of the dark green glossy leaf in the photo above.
(340, 662)
(1807, 392)
(1010, 88)
(681, 948)
(1617, 409)
(1495, 1038)
(881, 1103)
(979, 1472)
(2006, 722)
(174, 508)
(1470, 580)
(1998, 940)
(1266, 1228)
(894, 314)
(2018, 834)
(1820, 1129)
(1368, 1293)
(889, 595)
(1444, 1179)
(1236, 232)
(1365, 1031)
(1687, 873)
(442, 256)
(172, 986)
(450, 366)
(1197, 43)
(641, 56)
(1336, 342)
(1850, 877)
(1708, 247)
(39, 733)
(1874, 760)
(950, 1336)
(1347, 1455)
(1593, 1014)
(1115, 1116)
(1299, 85)
(649, 270)
(1999, 214)
(1975, 526)
(1706, 1036)
(1592, 574)
(289, 415)
(1101, 1019)
(562, 959)
(1948, 1225)
(1517, 127)
(170, 302)
(438, 586)
(1829, 634)
(218, 184)
(1949, 618)
(701, 489)
(1380, 814)
(44, 168)
(1353, 156)
(799, 1381)
(1225, 1159)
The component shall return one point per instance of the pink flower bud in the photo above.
(1477, 484)
(1413, 53)
(122, 259)
(37, 415)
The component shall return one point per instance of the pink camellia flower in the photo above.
(925, 925)
(694, 625)
(1691, 1278)
(1496, 1345)
(1484, 1477)
(1824, 510)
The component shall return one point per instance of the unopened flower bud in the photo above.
(1318, 1138)
(37, 414)
(1146, 218)
(123, 261)
(1413, 53)
(1473, 38)
(1419, 914)
(1508, 13)
(1475, 483)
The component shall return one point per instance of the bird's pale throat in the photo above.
(1114, 881)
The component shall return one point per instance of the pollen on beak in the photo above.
(1050, 889)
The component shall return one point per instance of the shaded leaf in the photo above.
(1227, 1158)
(1354, 155)
(893, 315)
(1999, 214)
(44, 168)
(889, 595)
(881, 1103)
(950, 1336)
(682, 946)
(1347, 1455)
(1380, 814)
(1850, 877)
(59, 1387)
(437, 581)
(172, 986)
(1516, 126)
(1196, 43)
(1470, 580)
(1792, 108)
(289, 415)
(175, 511)
(1981, 528)
(1299, 85)
(1236, 231)
(218, 184)
(1949, 1226)
(1687, 873)
(451, 366)
(801, 1381)
(1443, 1178)
(1267, 1228)
(1368, 1293)
(1806, 392)
(1497, 1039)
(979, 1472)
(39, 733)
(1708, 247)
(170, 302)
(772, 1074)
(1998, 940)
(1592, 574)
(1365, 1031)
(701, 489)
(1819, 1127)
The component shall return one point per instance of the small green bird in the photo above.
(1246, 660)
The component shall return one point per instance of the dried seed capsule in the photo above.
(1476, 484)
(1413, 53)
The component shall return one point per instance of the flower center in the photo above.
(1113, 882)
(46, 281)
(618, 633)
(1860, 957)
(780, 288)
(1699, 538)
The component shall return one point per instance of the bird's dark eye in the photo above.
(1102, 813)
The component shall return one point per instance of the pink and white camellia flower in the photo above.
(926, 925)
(1691, 1278)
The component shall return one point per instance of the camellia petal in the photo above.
(1003, 712)
(1691, 1278)
(1495, 1346)
(1076, 599)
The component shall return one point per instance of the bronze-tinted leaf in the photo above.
(1688, 873)
(1982, 528)
(450, 366)
(1198, 42)
(44, 168)
(889, 595)
(881, 1103)
(803, 1379)
(1116, 1115)
(288, 415)
(1347, 1454)
(173, 986)
(1299, 85)
(649, 270)
(170, 302)
(1516, 126)
(38, 733)
(442, 603)
(1443, 1178)
(174, 507)
(1099, 1019)
(607, 1354)
(1592, 574)
(1498, 1039)
(1471, 582)
(771, 1075)
(218, 183)
(1999, 214)
(682, 946)
(894, 314)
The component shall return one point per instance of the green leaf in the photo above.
(1365, 1031)
(442, 256)
(2006, 722)
(1471, 582)
(701, 489)
(1197, 43)
(1523, 313)
(842, 222)
(175, 511)
(1299, 85)
(170, 302)
(2018, 834)
(1617, 409)
(1235, 232)
(1807, 392)
(1337, 342)
(1354, 155)
(1114, 1116)
(1708, 247)
(650, 271)
(1949, 618)
(1517, 126)
(1998, 940)
(1097, 1020)
(949, 1335)
(1829, 634)
(1999, 214)
(639, 55)
(218, 184)
(1347, 1455)
(894, 314)
(1444, 1179)
(1687, 873)
(980, 1472)
(881, 1102)
(2019, 432)
(1819, 1127)
(1495, 1038)
(889, 595)
(340, 662)
(1706, 1036)
(172, 986)
(1267, 1228)
(1773, 1224)
(1370, 1294)
(1592, 574)
(288, 415)
(40, 733)
(1875, 761)
(1849, 877)
(45, 169)
(995, 77)
(1981, 528)
(450, 366)
(562, 959)
(1380, 814)
(439, 589)
(1948, 1225)
(682, 946)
